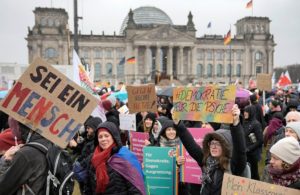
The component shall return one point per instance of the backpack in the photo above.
(60, 175)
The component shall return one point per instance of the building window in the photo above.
(219, 70)
(258, 69)
(108, 53)
(97, 74)
(85, 53)
(98, 53)
(109, 69)
(228, 55)
(228, 73)
(219, 55)
(200, 54)
(50, 53)
(199, 70)
(120, 69)
(120, 53)
(239, 55)
(258, 55)
(238, 70)
(209, 70)
(209, 55)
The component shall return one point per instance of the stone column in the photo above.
(188, 61)
(157, 58)
(170, 62)
(136, 66)
(180, 69)
(194, 61)
(148, 67)
(115, 63)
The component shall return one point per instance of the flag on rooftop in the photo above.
(249, 4)
(227, 38)
(122, 61)
(131, 60)
(209, 25)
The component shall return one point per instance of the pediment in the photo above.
(164, 33)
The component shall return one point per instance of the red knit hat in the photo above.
(107, 105)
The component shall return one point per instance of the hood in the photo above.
(93, 123)
(251, 110)
(166, 124)
(221, 135)
(113, 130)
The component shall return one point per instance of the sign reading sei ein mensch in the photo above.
(49, 103)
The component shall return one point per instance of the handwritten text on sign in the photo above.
(244, 186)
(49, 103)
(141, 98)
(209, 104)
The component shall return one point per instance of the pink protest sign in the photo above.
(137, 143)
(210, 103)
(190, 171)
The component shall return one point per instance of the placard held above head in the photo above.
(210, 103)
(264, 82)
(49, 103)
(141, 98)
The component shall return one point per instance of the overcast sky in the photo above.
(107, 16)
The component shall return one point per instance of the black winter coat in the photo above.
(253, 127)
(237, 162)
(28, 166)
(117, 185)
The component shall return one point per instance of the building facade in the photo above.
(160, 48)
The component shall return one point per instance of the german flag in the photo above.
(227, 38)
(249, 4)
(131, 60)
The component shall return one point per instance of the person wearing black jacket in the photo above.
(254, 139)
(223, 151)
(23, 169)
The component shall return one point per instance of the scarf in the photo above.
(99, 160)
(211, 165)
(275, 124)
(285, 177)
(169, 143)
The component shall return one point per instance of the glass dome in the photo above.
(147, 15)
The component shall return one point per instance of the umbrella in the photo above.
(121, 95)
(166, 92)
(243, 93)
(3, 93)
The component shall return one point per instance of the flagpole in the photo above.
(252, 8)
(230, 57)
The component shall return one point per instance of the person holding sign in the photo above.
(223, 151)
(284, 167)
(114, 169)
(168, 137)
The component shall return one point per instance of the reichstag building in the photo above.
(161, 49)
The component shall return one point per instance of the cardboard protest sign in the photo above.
(190, 172)
(264, 82)
(137, 143)
(160, 170)
(244, 186)
(141, 98)
(210, 103)
(127, 122)
(49, 103)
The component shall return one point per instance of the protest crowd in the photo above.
(261, 142)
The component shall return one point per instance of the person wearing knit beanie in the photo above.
(107, 105)
(287, 149)
(292, 129)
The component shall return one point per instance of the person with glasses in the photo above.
(222, 151)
